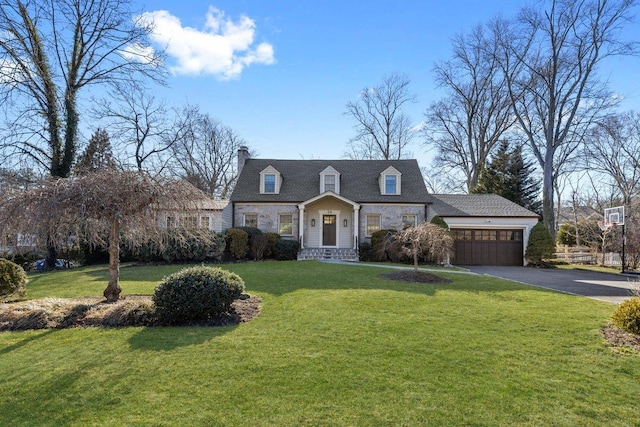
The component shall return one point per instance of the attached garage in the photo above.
(487, 229)
(488, 247)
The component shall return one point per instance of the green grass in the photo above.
(334, 345)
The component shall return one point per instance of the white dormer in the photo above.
(390, 182)
(330, 180)
(270, 180)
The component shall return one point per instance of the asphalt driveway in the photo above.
(603, 286)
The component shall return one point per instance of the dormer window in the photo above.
(330, 180)
(390, 182)
(330, 183)
(270, 181)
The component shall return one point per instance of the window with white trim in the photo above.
(251, 220)
(330, 183)
(285, 227)
(270, 183)
(373, 224)
(409, 221)
(390, 181)
(390, 184)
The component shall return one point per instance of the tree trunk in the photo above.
(112, 292)
(548, 212)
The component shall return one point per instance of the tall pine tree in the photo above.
(511, 176)
(97, 155)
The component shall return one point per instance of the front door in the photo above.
(328, 230)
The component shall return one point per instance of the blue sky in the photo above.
(280, 72)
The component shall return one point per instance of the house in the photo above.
(207, 214)
(331, 206)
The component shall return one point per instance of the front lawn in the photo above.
(333, 345)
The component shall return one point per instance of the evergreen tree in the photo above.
(510, 176)
(97, 155)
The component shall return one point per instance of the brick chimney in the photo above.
(243, 156)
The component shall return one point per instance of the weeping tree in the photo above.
(99, 208)
(427, 239)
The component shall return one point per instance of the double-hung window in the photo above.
(286, 225)
(390, 184)
(330, 183)
(373, 224)
(269, 183)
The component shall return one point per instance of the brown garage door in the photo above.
(487, 247)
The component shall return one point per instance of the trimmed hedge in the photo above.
(287, 250)
(13, 280)
(196, 294)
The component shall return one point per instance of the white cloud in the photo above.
(139, 53)
(222, 47)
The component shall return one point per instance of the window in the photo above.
(409, 221)
(286, 225)
(390, 184)
(188, 222)
(330, 183)
(486, 234)
(373, 224)
(514, 235)
(461, 234)
(204, 222)
(270, 183)
(251, 220)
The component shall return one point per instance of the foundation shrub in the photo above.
(237, 243)
(287, 250)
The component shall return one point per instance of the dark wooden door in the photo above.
(328, 230)
(488, 247)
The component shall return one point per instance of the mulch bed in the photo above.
(129, 310)
(414, 276)
(616, 337)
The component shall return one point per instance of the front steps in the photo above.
(328, 253)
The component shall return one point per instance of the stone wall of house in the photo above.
(390, 216)
(268, 216)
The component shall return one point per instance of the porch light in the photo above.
(344, 222)
(313, 222)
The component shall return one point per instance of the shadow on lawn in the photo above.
(37, 336)
(169, 338)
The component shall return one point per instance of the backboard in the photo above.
(614, 215)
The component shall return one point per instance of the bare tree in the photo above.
(383, 131)
(612, 149)
(549, 57)
(207, 155)
(465, 126)
(424, 239)
(144, 128)
(49, 51)
(100, 208)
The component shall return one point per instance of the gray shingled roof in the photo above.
(358, 180)
(482, 205)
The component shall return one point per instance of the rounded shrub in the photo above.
(541, 245)
(238, 243)
(196, 294)
(627, 315)
(13, 280)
